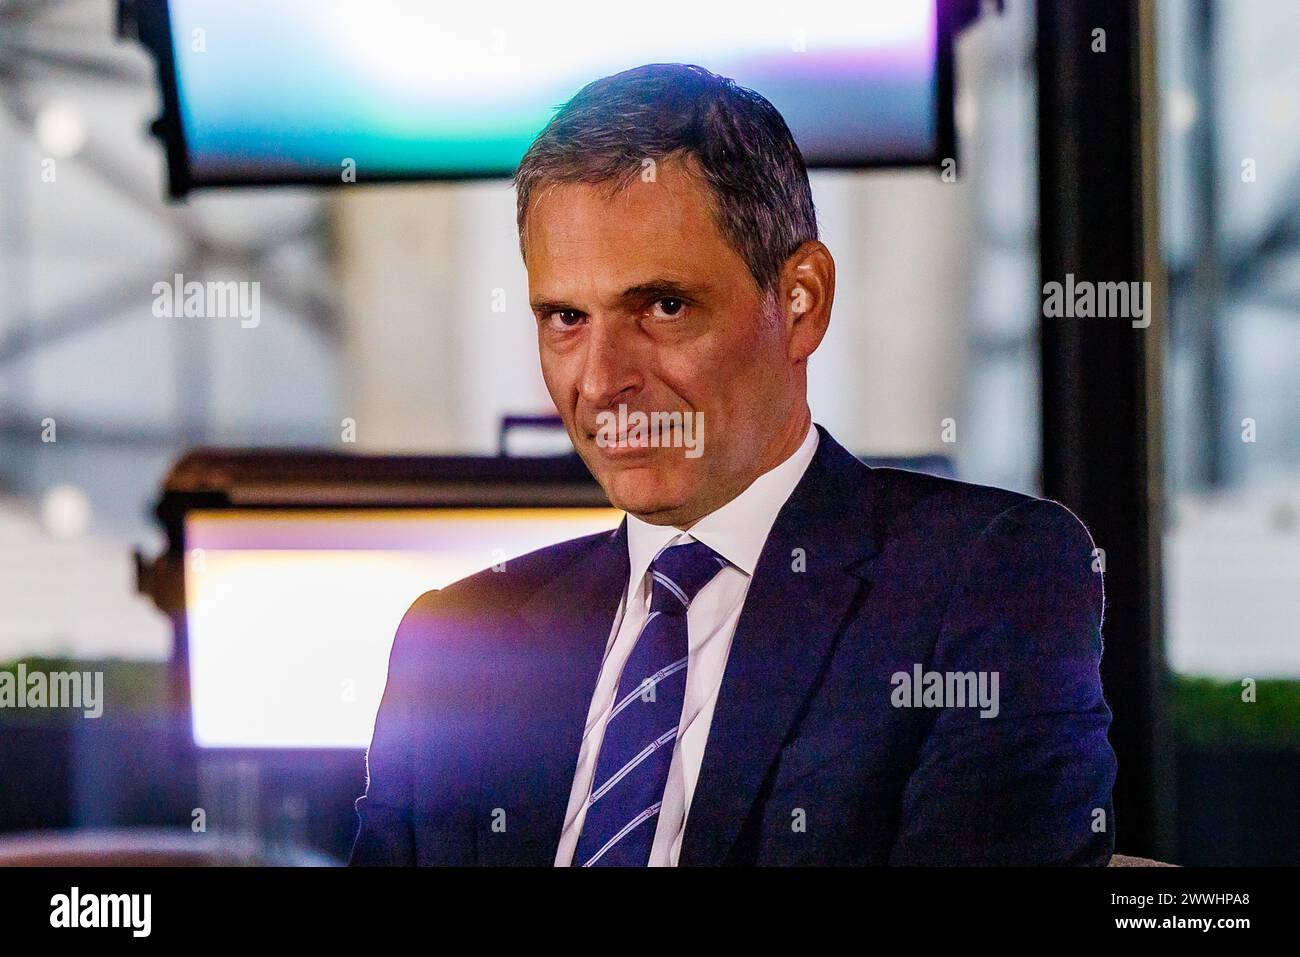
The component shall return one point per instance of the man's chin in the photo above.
(645, 492)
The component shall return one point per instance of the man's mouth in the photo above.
(622, 444)
(637, 433)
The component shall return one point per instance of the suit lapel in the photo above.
(535, 749)
(792, 616)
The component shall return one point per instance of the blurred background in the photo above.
(402, 309)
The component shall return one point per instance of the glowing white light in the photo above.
(967, 113)
(65, 511)
(1180, 110)
(60, 130)
(289, 646)
(1282, 109)
(468, 50)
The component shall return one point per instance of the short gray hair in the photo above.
(741, 146)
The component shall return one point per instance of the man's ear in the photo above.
(807, 292)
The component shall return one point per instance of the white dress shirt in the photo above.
(737, 531)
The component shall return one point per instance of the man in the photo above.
(781, 656)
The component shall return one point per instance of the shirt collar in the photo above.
(738, 530)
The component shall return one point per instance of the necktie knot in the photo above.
(678, 573)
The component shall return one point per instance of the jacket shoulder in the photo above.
(948, 511)
(500, 590)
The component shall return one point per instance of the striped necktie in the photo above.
(632, 768)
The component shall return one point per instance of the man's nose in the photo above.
(610, 371)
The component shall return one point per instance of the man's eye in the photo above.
(668, 308)
(565, 318)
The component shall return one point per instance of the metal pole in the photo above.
(1101, 379)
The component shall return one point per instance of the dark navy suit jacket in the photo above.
(810, 759)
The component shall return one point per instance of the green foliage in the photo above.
(1210, 712)
(131, 688)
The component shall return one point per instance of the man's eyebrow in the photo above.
(551, 305)
(660, 288)
(651, 289)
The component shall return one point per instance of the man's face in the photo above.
(641, 302)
